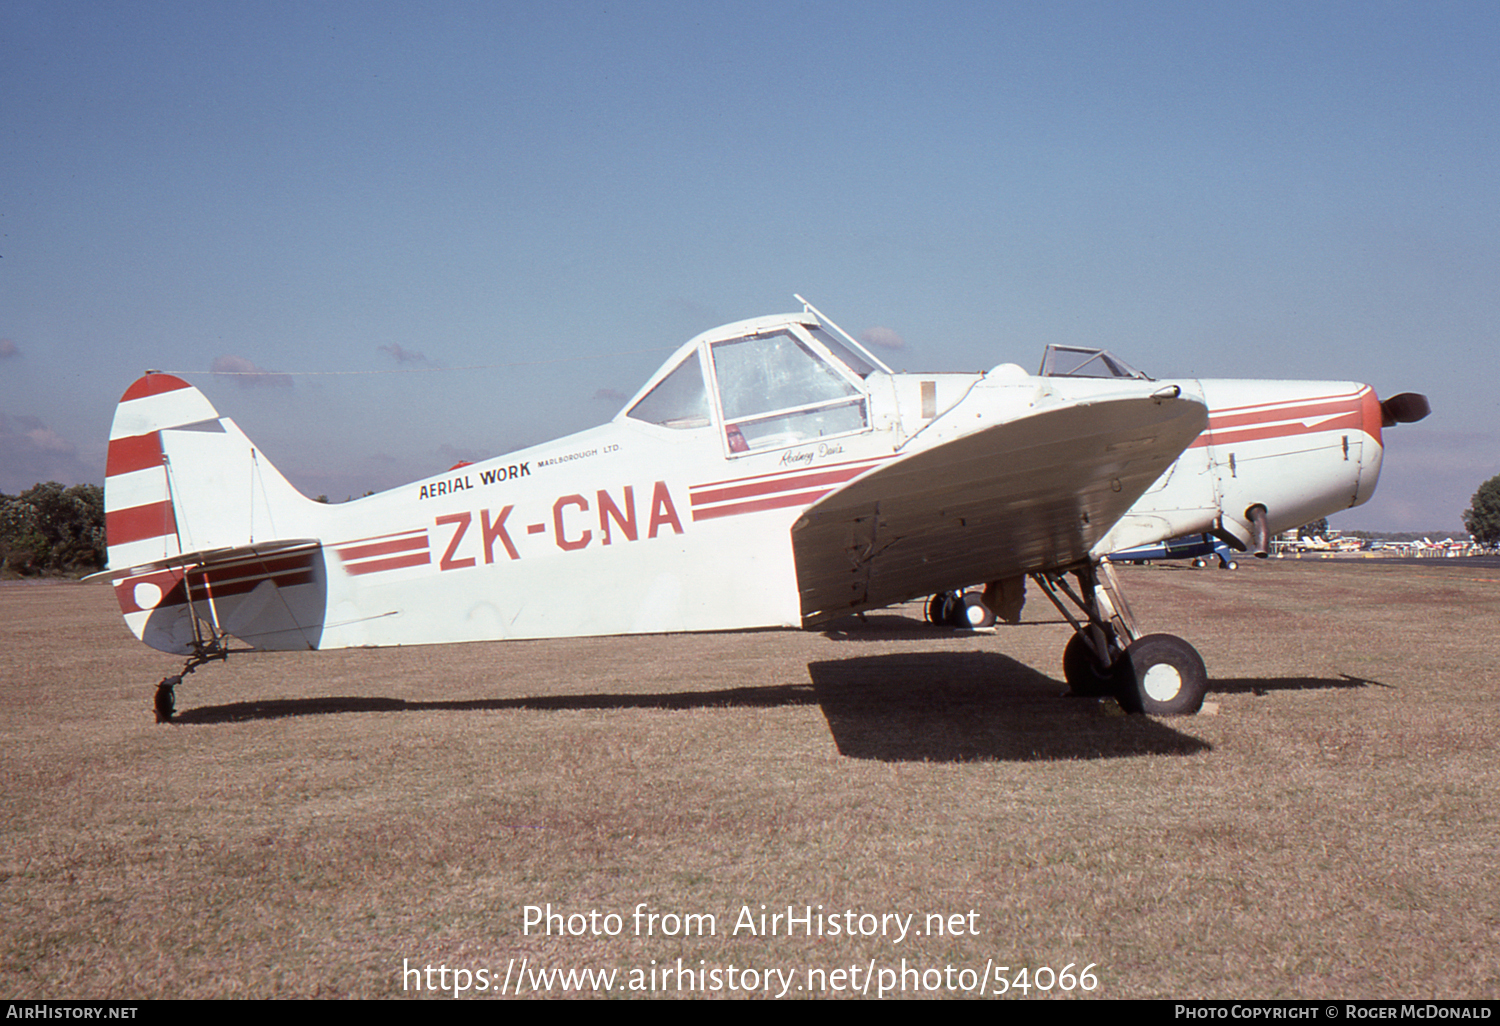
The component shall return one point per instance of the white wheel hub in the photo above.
(1162, 682)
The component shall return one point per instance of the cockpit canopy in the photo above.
(776, 382)
(1082, 362)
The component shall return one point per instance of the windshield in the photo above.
(1080, 362)
(679, 400)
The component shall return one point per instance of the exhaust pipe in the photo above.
(1260, 531)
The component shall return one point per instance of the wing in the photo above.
(1032, 494)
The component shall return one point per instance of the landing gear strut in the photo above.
(209, 644)
(1158, 674)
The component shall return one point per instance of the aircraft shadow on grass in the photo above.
(918, 706)
(1266, 685)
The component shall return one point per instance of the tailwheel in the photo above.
(166, 692)
(166, 698)
(1164, 676)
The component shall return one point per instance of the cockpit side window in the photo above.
(775, 392)
(679, 400)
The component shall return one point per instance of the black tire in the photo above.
(1166, 677)
(166, 701)
(938, 607)
(1084, 676)
(971, 613)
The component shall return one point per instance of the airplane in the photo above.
(1199, 547)
(772, 473)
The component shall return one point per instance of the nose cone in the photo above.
(1371, 454)
(1402, 408)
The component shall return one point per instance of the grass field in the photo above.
(316, 823)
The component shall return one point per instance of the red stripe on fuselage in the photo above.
(374, 547)
(1284, 420)
(778, 490)
(399, 551)
(395, 563)
(755, 506)
(705, 495)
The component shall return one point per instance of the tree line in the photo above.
(52, 529)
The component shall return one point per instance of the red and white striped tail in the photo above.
(140, 521)
(194, 514)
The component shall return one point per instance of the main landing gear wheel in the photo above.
(939, 607)
(1085, 677)
(971, 612)
(1165, 676)
(1156, 674)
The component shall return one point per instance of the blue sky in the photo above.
(562, 192)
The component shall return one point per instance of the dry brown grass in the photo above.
(317, 818)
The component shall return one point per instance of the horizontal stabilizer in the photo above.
(271, 595)
(207, 558)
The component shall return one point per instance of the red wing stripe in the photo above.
(138, 523)
(138, 452)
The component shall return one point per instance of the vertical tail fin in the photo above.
(179, 478)
(138, 514)
(200, 527)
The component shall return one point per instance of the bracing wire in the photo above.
(417, 370)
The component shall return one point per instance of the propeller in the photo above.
(1406, 408)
